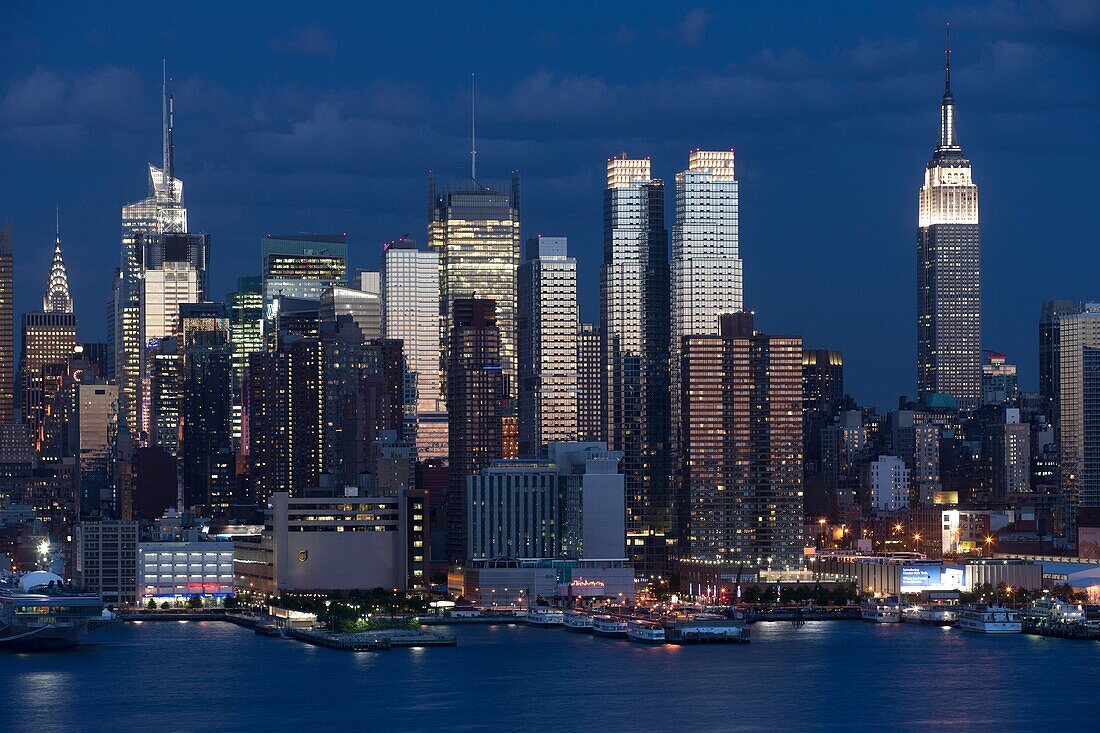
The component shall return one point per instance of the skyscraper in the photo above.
(206, 405)
(410, 312)
(173, 273)
(7, 325)
(547, 345)
(49, 338)
(301, 266)
(706, 265)
(822, 379)
(475, 229)
(741, 447)
(1048, 342)
(362, 307)
(160, 213)
(634, 340)
(246, 334)
(949, 318)
(475, 390)
(1077, 407)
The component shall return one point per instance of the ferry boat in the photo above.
(1055, 611)
(545, 616)
(982, 618)
(580, 621)
(647, 632)
(880, 610)
(604, 625)
(935, 614)
(38, 610)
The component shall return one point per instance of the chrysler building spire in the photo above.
(57, 298)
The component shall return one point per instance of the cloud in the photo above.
(693, 27)
(310, 40)
(1049, 22)
(103, 98)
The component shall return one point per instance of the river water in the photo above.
(824, 676)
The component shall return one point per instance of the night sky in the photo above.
(328, 118)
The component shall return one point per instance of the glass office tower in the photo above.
(475, 229)
(634, 302)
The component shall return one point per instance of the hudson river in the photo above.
(824, 676)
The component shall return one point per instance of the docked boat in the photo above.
(579, 621)
(604, 625)
(983, 618)
(647, 632)
(1055, 611)
(933, 614)
(545, 616)
(38, 610)
(880, 610)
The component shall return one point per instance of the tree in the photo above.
(165, 605)
(194, 602)
(151, 605)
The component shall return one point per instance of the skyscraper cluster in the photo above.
(461, 368)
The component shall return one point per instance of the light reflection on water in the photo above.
(823, 676)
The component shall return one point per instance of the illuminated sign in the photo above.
(918, 578)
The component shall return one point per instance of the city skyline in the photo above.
(895, 84)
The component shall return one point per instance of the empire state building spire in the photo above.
(949, 137)
(57, 298)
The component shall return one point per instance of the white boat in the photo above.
(545, 616)
(880, 610)
(580, 621)
(1055, 611)
(39, 611)
(647, 632)
(604, 625)
(934, 614)
(982, 618)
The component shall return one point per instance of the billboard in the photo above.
(932, 576)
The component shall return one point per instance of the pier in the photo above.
(371, 640)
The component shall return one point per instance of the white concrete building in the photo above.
(889, 484)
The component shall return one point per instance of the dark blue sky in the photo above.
(327, 117)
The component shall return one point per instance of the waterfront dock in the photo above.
(371, 640)
(1037, 627)
(462, 620)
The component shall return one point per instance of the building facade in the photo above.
(741, 447)
(548, 350)
(475, 389)
(634, 345)
(410, 313)
(706, 271)
(475, 229)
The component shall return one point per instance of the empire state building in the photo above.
(949, 324)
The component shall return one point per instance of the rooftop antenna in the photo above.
(473, 129)
(164, 117)
(57, 225)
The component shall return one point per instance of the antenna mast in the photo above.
(473, 130)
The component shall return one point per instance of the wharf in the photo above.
(371, 640)
(843, 613)
(1037, 627)
(218, 615)
(460, 620)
